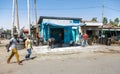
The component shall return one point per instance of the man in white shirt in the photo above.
(13, 47)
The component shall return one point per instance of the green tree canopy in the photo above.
(116, 21)
(94, 19)
(112, 23)
(105, 21)
(15, 29)
(8, 31)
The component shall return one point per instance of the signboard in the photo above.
(55, 21)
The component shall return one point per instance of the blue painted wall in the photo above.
(70, 33)
(67, 34)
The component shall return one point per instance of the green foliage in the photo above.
(105, 21)
(8, 31)
(94, 19)
(116, 21)
(15, 29)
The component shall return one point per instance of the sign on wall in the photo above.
(56, 21)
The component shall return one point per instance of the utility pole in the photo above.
(37, 27)
(13, 8)
(102, 16)
(28, 3)
(102, 10)
(17, 17)
(102, 21)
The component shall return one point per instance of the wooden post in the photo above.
(13, 8)
(28, 3)
(37, 25)
(17, 17)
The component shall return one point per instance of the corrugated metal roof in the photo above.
(93, 24)
(109, 26)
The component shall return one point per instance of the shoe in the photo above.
(27, 59)
(20, 64)
(8, 62)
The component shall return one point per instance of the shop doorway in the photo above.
(58, 34)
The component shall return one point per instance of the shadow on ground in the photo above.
(32, 58)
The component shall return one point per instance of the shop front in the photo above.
(61, 29)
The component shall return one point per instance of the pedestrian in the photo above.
(51, 42)
(0, 41)
(13, 46)
(60, 39)
(85, 38)
(28, 45)
(37, 39)
(80, 38)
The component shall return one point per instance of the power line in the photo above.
(56, 8)
(60, 9)
(112, 9)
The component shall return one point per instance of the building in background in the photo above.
(92, 28)
(111, 31)
(63, 29)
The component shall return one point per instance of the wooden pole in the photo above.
(102, 10)
(102, 15)
(13, 12)
(17, 17)
(102, 21)
(28, 3)
(37, 27)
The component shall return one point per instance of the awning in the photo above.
(71, 24)
(111, 29)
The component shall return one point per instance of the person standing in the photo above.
(28, 45)
(60, 39)
(85, 38)
(13, 46)
(0, 41)
(51, 42)
(37, 39)
(80, 38)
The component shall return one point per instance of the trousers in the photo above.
(28, 54)
(14, 52)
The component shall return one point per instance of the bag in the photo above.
(7, 47)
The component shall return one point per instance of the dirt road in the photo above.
(97, 62)
(82, 63)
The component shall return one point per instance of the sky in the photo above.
(85, 9)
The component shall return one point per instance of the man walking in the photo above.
(13, 47)
(28, 45)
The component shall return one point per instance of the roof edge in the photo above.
(53, 17)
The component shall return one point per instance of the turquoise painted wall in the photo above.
(73, 35)
(67, 34)
(70, 33)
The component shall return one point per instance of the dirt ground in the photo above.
(103, 60)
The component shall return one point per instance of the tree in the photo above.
(112, 23)
(116, 21)
(105, 21)
(8, 31)
(15, 29)
(1, 29)
(94, 19)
